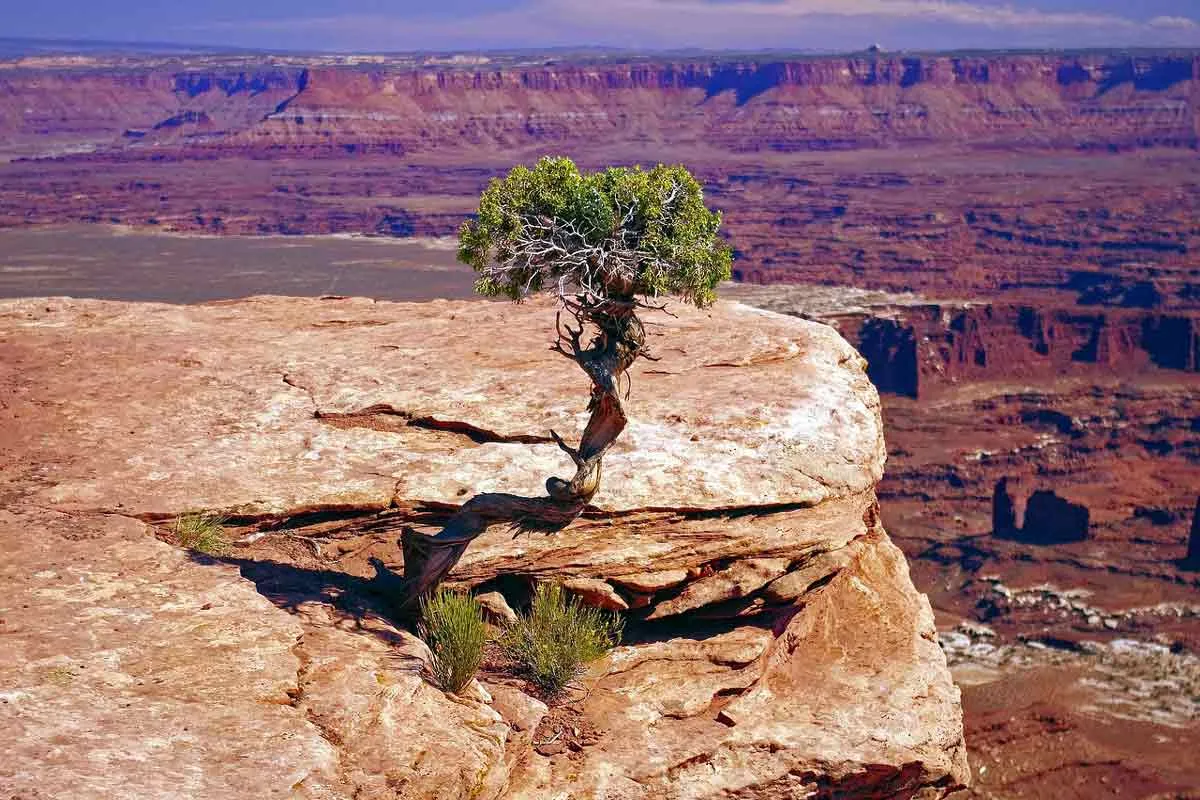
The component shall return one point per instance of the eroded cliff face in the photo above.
(817, 104)
(931, 346)
(776, 645)
(831, 103)
(918, 348)
(48, 112)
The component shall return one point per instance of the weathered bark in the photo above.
(618, 342)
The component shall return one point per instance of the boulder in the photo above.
(496, 608)
(321, 429)
(598, 593)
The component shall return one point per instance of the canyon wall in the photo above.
(869, 101)
(920, 347)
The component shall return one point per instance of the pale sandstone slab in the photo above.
(613, 548)
(362, 684)
(650, 582)
(798, 581)
(738, 580)
(165, 408)
(128, 670)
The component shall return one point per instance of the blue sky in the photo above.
(374, 25)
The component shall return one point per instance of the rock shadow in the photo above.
(350, 599)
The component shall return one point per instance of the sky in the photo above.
(449, 25)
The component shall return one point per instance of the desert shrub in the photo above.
(558, 635)
(452, 625)
(204, 533)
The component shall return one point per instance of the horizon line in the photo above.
(76, 46)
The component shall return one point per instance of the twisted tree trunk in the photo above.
(618, 342)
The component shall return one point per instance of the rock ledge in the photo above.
(777, 647)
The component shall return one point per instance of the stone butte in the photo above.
(793, 657)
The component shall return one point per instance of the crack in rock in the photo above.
(290, 381)
(370, 416)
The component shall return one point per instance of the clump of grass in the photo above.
(204, 533)
(558, 636)
(59, 676)
(452, 625)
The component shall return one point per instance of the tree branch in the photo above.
(566, 448)
(619, 341)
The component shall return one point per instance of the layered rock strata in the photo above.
(776, 645)
(916, 348)
(316, 106)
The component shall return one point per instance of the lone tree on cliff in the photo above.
(608, 244)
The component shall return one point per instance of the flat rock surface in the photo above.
(127, 669)
(131, 669)
(158, 409)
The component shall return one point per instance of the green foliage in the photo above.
(618, 232)
(452, 625)
(558, 636)
(202, 532)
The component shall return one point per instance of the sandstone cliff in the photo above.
(776, 644)
(1052, 100)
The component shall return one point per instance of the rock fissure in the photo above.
(426, 512)
(368, 417)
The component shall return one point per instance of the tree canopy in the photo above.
(617, 233)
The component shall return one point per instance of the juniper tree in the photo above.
(608, 244)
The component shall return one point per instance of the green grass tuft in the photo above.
(558, 636)
(204, 533)
(452, 625)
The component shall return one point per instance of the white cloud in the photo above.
(1173, 22)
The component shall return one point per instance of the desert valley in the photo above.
(1011, 241)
